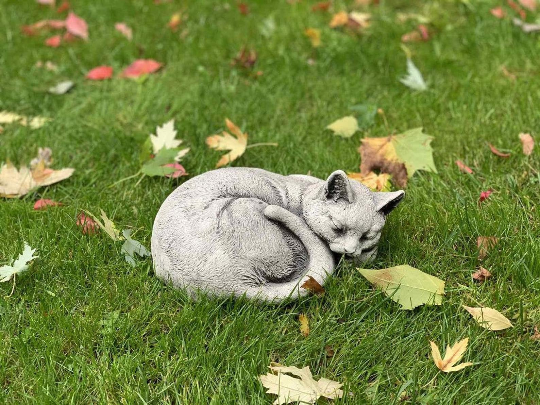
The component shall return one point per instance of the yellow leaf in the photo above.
(340, 19)
(300, 388)
(7, 117)
(489, 318)
(235, 144)
(314, 35)
(451, 357)
(376, 182)
(345, 127)
(304, 324)
(16, 183)
(360, 19)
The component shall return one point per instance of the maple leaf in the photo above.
(123, 29)
(131, 247)
(243, 8)
(413, 79)
(314, 36)
(376, 182)
(321, 6)
(304, 388)
(489, 318)
(19, 265)
(398, 155)
(165, 137)
(344, 127)
(16, 183)
(418, 35)
(304, 325)
(159, 165)
(100, 73)
(75, 25)
(339, 19)
(452, 355)
(236, 143)
(527, 142)
(141, 67)
(179, 170)
(313, 286)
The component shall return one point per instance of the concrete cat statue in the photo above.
(237, 231)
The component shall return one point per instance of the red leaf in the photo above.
(124, 30)
(54, 42)
(243, 8)
(87, 224)
(63, 7)
(179, 170)
(33, 29)
(496, 152)
(141, 67)
(484, 195)
(42, 203)
(498, 12)
(100, 73)
(322, 6)
(77, 26)
(463, 167)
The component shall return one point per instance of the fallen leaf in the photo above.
(7, 117)
(321, 6)
(304, 325)
(452, 355)
(47, 2)
(358, 20)
(496, 152)
(268, 27)
(314, 36)
(235, 144)
(100, 73)
(489, 318)
(141, 67)
(413, 79)
(463, 167)
(300, 388)
(157, 166)
(407, 286)
(175, 21)
(484, 244)
(43, 203)
(481, 275)
(245, 59)
(344, 127)
(243, 8)
(313, 286)
(340, 19)
(54, 42)
(418, 35)
(131, 247)
(123, 29)
(16, 183)
(63, 7)
(62, 87)
(526, 27)
(498, 12)
(165, 138)
(75, 25)
(87, 224)
(179, 170)
(47, 65)
(107, 226)
(527, 142)
(19, 265)
(508, 74)
(528, 4)
(398, 155)
(41, 25)
(536, 334)
(484, 195)
(376, 182)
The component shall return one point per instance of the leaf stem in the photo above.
(262, 144)
(124, 179)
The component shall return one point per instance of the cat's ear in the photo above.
(386, 202)
(338, 187)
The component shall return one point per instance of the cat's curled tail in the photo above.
(321, 263)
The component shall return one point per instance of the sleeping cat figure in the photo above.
(245, 231)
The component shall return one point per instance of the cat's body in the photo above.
(239, 231)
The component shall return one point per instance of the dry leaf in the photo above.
(340, 19)
(508, 74)
(526, 27)
(313, 286)
(304, 325)
(16, 183)
(489, 318)
(452, 355)
(243, 8)
(498, 12)
(321, 6)
(329, 351)
(179, 170)
(418, 35)
(358, 20)
(528, 143)
(63, 7)
(123, 29)
(463, 167)
(484, 244)
(43, 203)
(314, 36)
(300, 388)
(496, 152)
(517, 9)
(245, 59)
(344, 127)
(376, 182)
(536, 334)
(235, 144)
(481, 275)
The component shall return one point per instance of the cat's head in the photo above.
(348, 215)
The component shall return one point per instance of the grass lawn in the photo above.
(83, 326)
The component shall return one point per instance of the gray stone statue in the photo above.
(237, 231)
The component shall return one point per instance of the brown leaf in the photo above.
(374, 156)
(313, 286)
(536, 334)
(463, 167)
(243, 8)
(496, 152)
(245, 59)
(304, 325)
(418, 35)
(508, 74)
(484, 244)
(329, 351)
(376, 182)
(87, 224)
(321, 6)
(451, 357)
(481, 275)
(528, 143)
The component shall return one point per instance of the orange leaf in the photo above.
(313, 286)
(498, 12)
(496, 152)
(100, 73)
(463, 167)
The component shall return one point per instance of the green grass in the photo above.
(84, 327)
